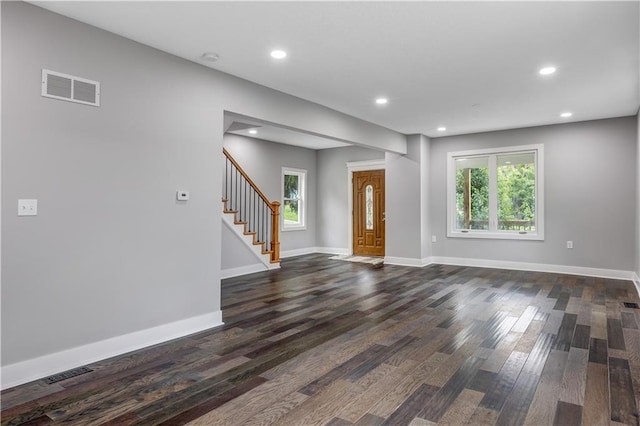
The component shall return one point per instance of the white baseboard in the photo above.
(337, 251)
(407, 261)
(636, 282)
(37, 368)
(297, 252)
(242, 270)
(251, 269)
(310, 250)
(536, 267)
(481, 263)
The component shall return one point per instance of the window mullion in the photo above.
(493, 193)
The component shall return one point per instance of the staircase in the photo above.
(250, 214)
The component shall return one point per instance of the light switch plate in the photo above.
(182, 195)
(27, 207)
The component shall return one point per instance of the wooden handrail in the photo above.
(251, 182)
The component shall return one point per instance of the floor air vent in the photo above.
(66, 375)
(631, 305)
(69, 88)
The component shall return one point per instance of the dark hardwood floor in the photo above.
(326, 342)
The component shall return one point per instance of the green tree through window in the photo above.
(516, 191)
(479, 198)
(291, 190)
(496, 193)
(293, 184)
(472, 193)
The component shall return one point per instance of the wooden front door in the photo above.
(368, 213)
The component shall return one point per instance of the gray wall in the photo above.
(637, 233)
(235, 253)
(333, 193)
(263, 162)
(590, 192)
(111, 252)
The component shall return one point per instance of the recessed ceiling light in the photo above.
(253, 132)
(547, 70)
(278, 54)
(566, 114)
(210, 56)
(442, 129)
(382, 101)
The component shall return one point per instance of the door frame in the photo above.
(359, 166)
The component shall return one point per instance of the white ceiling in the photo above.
(469, 66)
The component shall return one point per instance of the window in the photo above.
(293, 202)
(496, 193)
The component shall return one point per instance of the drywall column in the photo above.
(425, 196)
(406, 203)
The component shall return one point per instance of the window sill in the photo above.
(294, 228)
(531, 236)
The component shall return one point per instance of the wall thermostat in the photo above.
(182, 195)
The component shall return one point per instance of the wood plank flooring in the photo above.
(325, 342)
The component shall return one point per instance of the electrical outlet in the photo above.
(434, 239)
(569, 244)
(27, 207)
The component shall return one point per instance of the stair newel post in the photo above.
(275, 231)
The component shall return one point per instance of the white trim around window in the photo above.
(491, 226)
(294, 197)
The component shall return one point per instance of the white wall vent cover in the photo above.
(69, 88)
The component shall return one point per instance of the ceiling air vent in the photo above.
(69, 88)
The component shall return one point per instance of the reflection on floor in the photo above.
(378, 261)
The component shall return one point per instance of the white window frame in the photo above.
(493, 232)
(302, 205)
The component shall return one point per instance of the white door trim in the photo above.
(358, 166)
